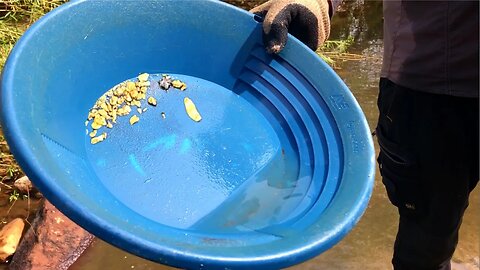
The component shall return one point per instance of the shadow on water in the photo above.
(369, 245)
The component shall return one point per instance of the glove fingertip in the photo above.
(273, 48)
(276, 38)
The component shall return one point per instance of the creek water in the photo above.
(369, 245)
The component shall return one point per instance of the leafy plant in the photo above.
(14, 195)
(337, 46)
(334, 51)
(12, 170)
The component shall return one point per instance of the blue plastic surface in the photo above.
(280, 168)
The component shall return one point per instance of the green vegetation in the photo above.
(26, 10)
(14, 195)
(16, 16)
(334, 51)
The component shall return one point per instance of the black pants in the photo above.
(429, 164)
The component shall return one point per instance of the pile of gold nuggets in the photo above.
(125, 97)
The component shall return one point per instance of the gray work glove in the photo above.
(307, 20)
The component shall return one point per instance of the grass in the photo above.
(16, 16)
(9, 34)
(27, 11)
(335, 51)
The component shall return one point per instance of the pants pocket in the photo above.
(400, 177)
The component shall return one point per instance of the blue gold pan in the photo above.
(278, 170)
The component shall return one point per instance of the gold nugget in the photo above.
(93, 133)
(192, 110)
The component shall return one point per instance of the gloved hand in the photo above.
(307, 20)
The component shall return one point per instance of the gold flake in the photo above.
(91, 114)
(143, 77)
(99, 138)
(104, 106)
(134, 93)
(113, 100)
(152, 101)
(125, 110)
(136, 103)
(177, 84)
(96, 126)
(143, 84)
(120, 100)
(93, 133)
(119, 91)
(130, 86)
(113, 113)
(134, 119)
(99, 120)
(103, 113)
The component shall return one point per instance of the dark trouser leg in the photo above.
(429, 164)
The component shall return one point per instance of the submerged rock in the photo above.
(52, 242)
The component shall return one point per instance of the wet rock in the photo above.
(23, 184)
(52, 242)
(10, 237)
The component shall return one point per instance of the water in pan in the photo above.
(188, 174)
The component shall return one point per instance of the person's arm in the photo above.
(307, 20)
